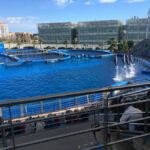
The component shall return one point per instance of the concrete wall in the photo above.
(12, 45)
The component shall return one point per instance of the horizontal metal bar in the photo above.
(129, 103)
(129, 93)
(73, 133)
(70, 94)
(119, 141)
(75, 113)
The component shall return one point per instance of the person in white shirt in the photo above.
(131, 113)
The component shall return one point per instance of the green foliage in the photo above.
(47, 47)
(85, 46)
(28, 47)
(97, 48)
(75, 40)
(19, 44)
(113, 44)
(90, 48)
(53, 47)
(14, 47)
(70, 48)
(130, 44)
(61, 47)
(102, 44)
(57, 41)
(125, 46)
(66, 42)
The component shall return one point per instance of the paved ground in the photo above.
(69, 143)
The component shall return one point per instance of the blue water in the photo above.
(4, 59)
(38, 79)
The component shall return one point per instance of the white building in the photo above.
(3, 30)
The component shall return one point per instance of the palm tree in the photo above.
(66, 42)
(19, 44)
(41, 41)
(113, 43)
(34, 42)
(102, 44)
(75, 40)
(57, 42)
(85, 46)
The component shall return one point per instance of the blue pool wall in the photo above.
(20, 61)
(2, 49)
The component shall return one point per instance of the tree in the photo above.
(130, 44)
(41, 41)
(19, 44)
(34, 42)
(85, 46)
(75, 40)
(113, 44)
(9, 43)
(57, 42)
(66, 42)
(123, 46)
(102, 44)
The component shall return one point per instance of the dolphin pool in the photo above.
(38, 79)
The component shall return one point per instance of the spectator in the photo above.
(130, 113)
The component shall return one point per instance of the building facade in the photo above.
(95, 32)
(51, 32)
(92, 32)
(137, 28)
(3, 30)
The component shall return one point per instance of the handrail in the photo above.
(70, 94)
(116, 142)
(74, 133)
(71, 114)
(129, 93)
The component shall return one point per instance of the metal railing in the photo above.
(62, 116)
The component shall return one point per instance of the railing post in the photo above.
(3, 129)
(105, 120)
(41, 105)
(75, 101)
(59, 103)
(21, 109)
(12, 130)
(88, 99)
(146, 121)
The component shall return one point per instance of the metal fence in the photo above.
(69, 108)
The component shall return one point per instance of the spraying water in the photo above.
(127, 72)
(125, 67)
(118, 75)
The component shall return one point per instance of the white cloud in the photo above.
(134, 1)
(87, 3)
(21, 24)
(17, 20)
(107, 1)
(63, 2)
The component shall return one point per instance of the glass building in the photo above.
(92, 32)
(51, 32)
(95, 32)
(136, 29)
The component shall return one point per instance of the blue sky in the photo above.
(24, 15)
